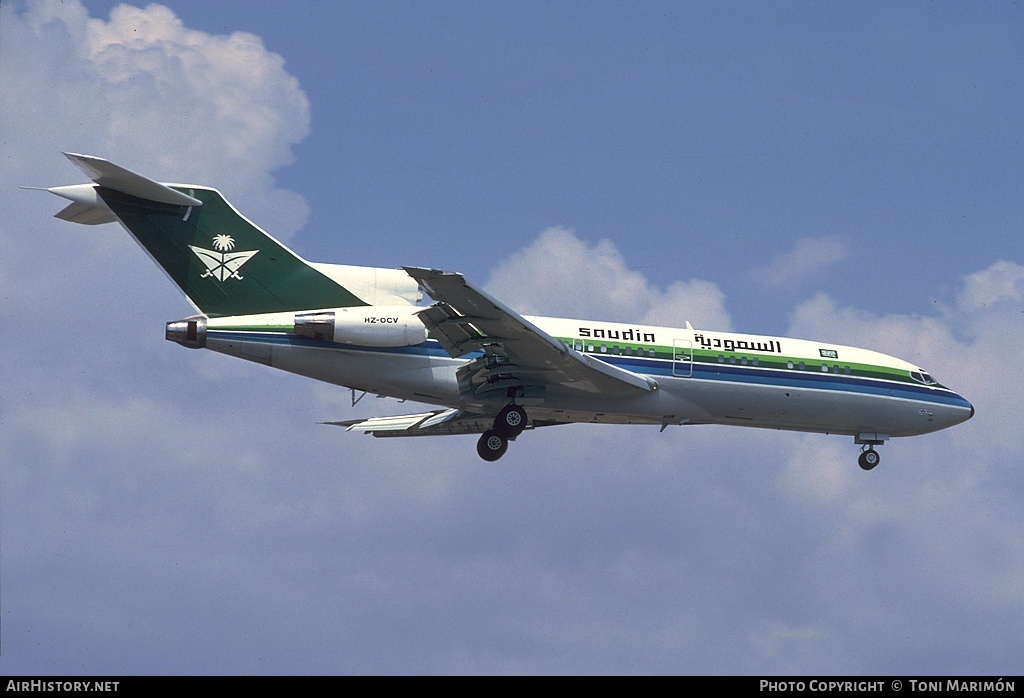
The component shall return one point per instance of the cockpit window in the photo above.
(922, 377)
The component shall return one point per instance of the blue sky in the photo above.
(844, 172)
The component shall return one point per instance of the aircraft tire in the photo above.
(511, 421)
(868, 459)
(492, 445)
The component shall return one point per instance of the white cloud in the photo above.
(1002, 282)
(808, 257)
(144, 90)
(561, 275)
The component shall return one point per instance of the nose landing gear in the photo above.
(869, 457)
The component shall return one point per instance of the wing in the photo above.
(451, 421)
(518, 358)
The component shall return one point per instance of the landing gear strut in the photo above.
(509, 424)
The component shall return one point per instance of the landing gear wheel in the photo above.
(510, 421)
(491, 445)
(868, 459)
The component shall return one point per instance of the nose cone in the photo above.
(957, 411)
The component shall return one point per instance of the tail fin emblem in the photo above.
(222, 264)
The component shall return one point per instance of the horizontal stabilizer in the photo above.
(107, 174)
(86, 214)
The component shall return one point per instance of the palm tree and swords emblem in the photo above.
(223, 263)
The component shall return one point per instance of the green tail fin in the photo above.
(223, 263)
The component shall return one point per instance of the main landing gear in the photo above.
(509, 424)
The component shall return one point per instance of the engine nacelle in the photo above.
(367, 326)
(190, 332)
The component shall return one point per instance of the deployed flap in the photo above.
(518, 355)
(436, 423)
(451, 421)
(111, 176)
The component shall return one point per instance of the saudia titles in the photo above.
(629, 335)
(769, 346)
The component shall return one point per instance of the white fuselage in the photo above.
(702, 377)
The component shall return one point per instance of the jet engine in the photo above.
(190, 332)
(367, 326)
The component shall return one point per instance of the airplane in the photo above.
(487, 369)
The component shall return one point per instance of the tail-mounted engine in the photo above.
(367, 326)
(190, 332)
